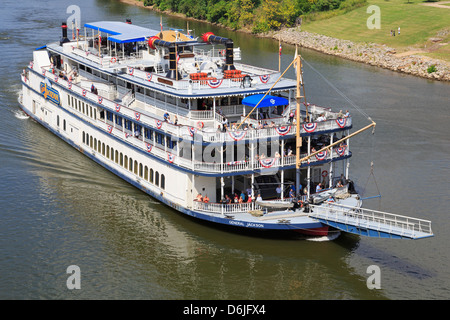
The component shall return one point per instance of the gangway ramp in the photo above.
(371, 223)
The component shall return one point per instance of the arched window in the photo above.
(151, 175)
(157, 178)
(163, 182)
(146, 173)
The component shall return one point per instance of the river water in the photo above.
(58, 208)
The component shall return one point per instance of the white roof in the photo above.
(122, 32)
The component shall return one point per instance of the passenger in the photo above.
(206, 199)
(249, 198)
(242, 197)
(319, 187)
(176, 121)
(227, 199)
(339, 184)
(258, 198)
(199, 197)
(291, 193)
(330, 198)
(347, 114)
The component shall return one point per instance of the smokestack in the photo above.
(64, 38)
(173, 72)
(229, 51)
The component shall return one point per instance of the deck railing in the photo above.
(223, 208)
(372, 219)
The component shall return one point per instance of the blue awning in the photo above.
(121, 32)
(268, 101)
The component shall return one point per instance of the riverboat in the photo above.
(183, 120)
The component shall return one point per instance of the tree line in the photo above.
(256, 15)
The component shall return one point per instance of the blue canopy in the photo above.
(268, 101)
(122, 32)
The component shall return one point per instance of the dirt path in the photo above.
(437, 4)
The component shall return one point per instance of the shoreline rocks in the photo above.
(369, 53)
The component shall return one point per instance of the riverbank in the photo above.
(383, 56)
(413, 62)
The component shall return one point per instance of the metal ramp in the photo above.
(371, 223)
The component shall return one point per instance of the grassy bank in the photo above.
(418, 24)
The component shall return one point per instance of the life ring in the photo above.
(200, 125)
(324, 173)
(222, 52)
(113, 60)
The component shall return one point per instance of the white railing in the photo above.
(222, 208)
(372, 219)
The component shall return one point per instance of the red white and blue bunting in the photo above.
(340, 151)
(265, 78)
(117, 107)
(149, 76)
(214, 83)
(84, 92)
(149, 147)
(310, 127)
(100, 99)
(321, 155)
(170, 157)
(284, 130)
(110, 129)
(237, 135)
(341, 122)
(267, 162)
(130, 70)
(192, 131)
(137, 116)
(158, 124)
(69, 85)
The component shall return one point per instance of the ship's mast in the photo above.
(298, 64)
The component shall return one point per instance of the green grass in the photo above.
(418, 23)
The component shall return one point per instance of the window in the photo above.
(125, 164)
(163, 182)
(119, 120)
(116, 156)
(130, 165)
(157, 178)
(141, 170)
(135, 167)
(151, 175)
(148, 134)
(121, 159)
(57, 123)
(103, 148)
(84, 137)
(64, 124)
(146, 173)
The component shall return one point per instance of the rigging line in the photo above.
(337, 90)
